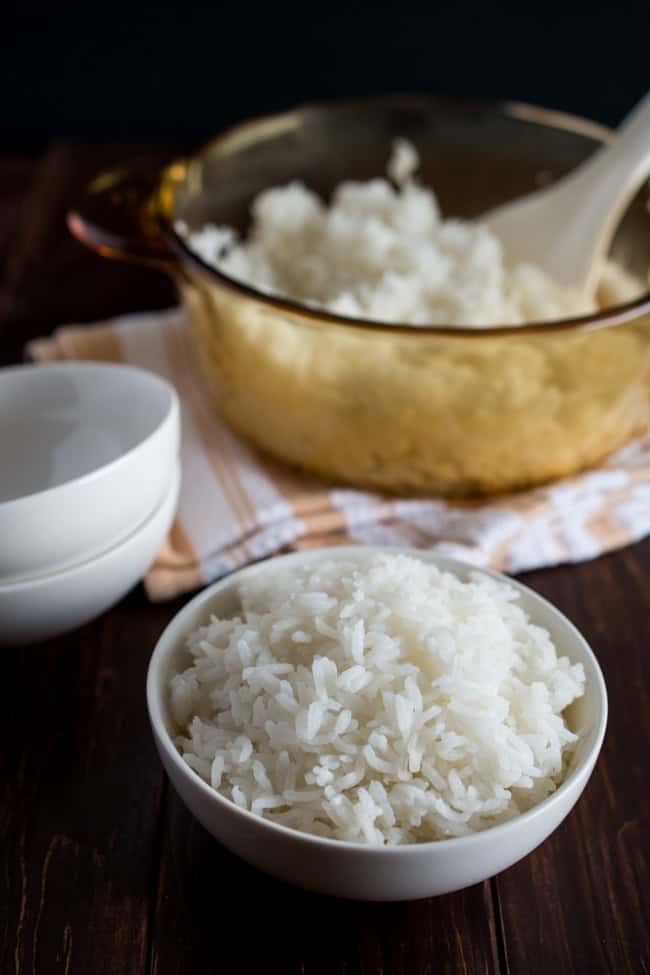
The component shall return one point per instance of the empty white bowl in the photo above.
(350, 869)
(47, 606)
(87, 453)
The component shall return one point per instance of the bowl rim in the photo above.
(251, 129)
(169, 640)
(12, 506)
(24, 584)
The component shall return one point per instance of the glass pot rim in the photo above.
(262, 127)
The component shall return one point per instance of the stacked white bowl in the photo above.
(89, 481)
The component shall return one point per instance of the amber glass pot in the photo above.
(415, 409)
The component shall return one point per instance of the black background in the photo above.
(168, 71)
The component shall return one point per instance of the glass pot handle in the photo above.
(116, 218)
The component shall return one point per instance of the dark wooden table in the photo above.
(102, 868)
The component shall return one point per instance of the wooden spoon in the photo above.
(567, 228)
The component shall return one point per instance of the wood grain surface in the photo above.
(104, 871)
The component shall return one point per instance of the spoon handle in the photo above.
(601, 188)
(625, 162)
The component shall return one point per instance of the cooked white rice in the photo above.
(381, 250)
(381, 701)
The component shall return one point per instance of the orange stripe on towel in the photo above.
(99, 343)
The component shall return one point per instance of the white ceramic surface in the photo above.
(86, 454)
(354, 870)
(567, 227)
(37, 609)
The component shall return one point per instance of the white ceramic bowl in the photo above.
(87, 451)
(350, 869)
(36, 609)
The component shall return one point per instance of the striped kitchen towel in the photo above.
(237, 506)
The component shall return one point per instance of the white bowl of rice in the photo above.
(380, 724)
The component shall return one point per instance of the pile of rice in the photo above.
(381, 250)
(378, 701)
